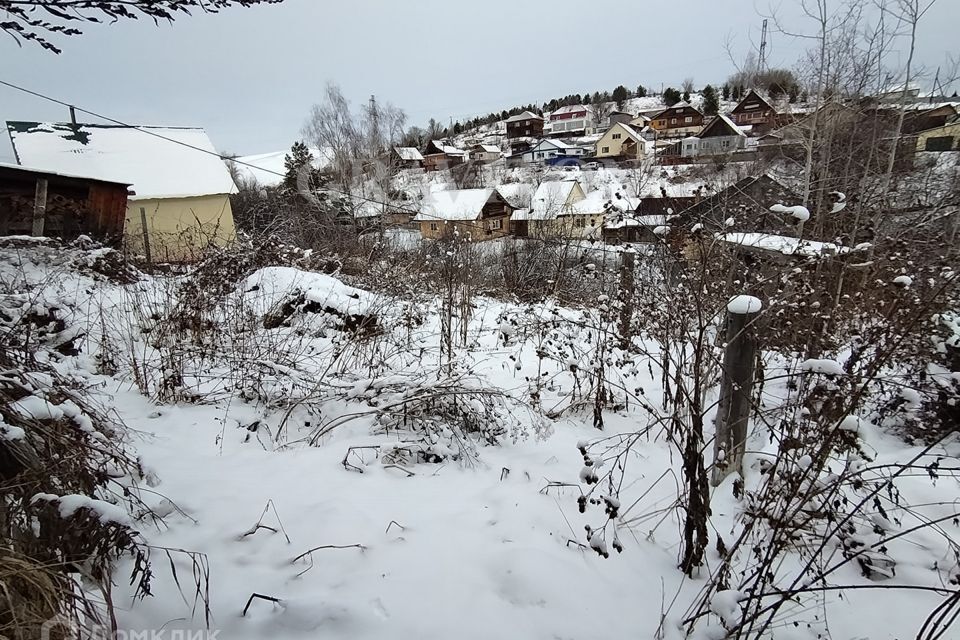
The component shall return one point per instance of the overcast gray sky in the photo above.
(249, 76)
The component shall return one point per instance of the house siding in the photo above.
(615, 147)
(179, 229)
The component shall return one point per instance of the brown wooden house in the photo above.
(440, 155)
(680, 120)
(478, 214)
(525, 125)
(407, 157)
(38, 202)
(756, 112)
(924, 119)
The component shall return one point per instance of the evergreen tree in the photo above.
(620, 95)
(726, 91)
(641, 91)
(295, 163)
(671, 96)
(711, 104)
(686, 96)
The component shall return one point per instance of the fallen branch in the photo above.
(258, 597)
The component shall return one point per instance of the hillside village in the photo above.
(629, 165)
(679, 364)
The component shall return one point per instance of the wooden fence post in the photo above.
(146, 235)
(627, 266)
(40, 207)
(736, 387)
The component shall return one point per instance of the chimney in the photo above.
(73, 116)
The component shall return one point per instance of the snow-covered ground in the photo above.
(368, 544)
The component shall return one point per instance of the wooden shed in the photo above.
(39, 202)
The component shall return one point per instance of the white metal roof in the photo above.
(158, 162)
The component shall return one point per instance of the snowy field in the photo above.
(430, 533)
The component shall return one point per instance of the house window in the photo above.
(496, 225)
(434, 226)
(673, 121)
(605, 150)
(938, 143)
(579, 222)
(688, 119)
(616, 136)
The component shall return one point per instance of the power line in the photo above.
(393, 206)
(187, 145)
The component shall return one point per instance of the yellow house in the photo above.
(621, 141)
(945, 138)
(180, 187)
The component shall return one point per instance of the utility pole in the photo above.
(763, 47)
(936, 86)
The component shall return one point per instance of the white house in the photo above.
(569, 120)
(719, 137)
(549, 149)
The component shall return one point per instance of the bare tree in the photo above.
(331, 126)
(58, 16)
(909, 13)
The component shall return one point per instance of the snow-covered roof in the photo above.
(782, 244)
(20, 167)
(517, 194)
(551, 199)
(158, 162)
(368, 209)
(488, 148)
(268, 169)
(668, 189)
(556, 143)
(722, 120)
(447, 149)
(408, 154)
(601, 201)
(454, 204)
(570, 108)
(621, 221)
(526, 115)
